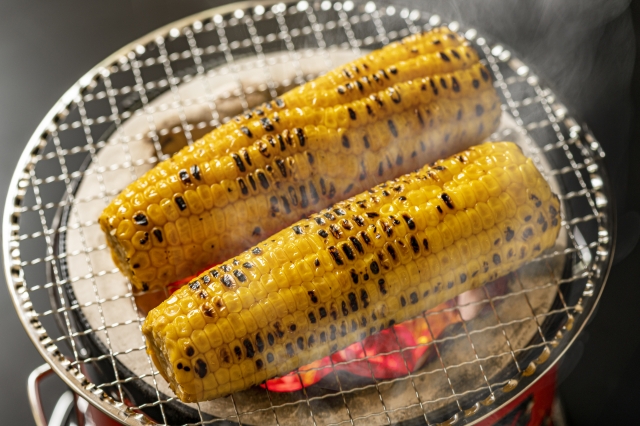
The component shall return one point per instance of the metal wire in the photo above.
(304, 31)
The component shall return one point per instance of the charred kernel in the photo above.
(392, 322)
(314, 193)
(403, 301)
(323, 312)
(413, 297)
(180, 202)
(263, 180)
(433, 87)
(332, 190)
(345, 311)
(359, 220)
(463, 278)
(271, 339)
(256, 250)
(300, 342)
(238, 162)
(496, 259)
(140, 219)
(319, 221)
(190, 351)
(353, 302)
(447, 200)
(443, 83)
(343, 329)
(243, 186)
(410, 223)
(455, 85)
(336, 255)
(352, 114)
(312, 318)
(249, 348)
(345, 141)
(279, 332)
(323, 233)
(484, 74)
(266, 124)
(392, 252)
(316, 262)
(335, 231)
(475, 83)
(329, 216)
(313, 296)
(279, 103)
(259, 343)
(527, 218)
(228, 281)
(323, 337)
(527, 233)
(439, 209)
(226, 268)
(414, 244)
(259, 364)
(281, 166)
(252, 181)
(240, 276)
(179, 366)
(158, 234)
(247, 265)
(395, 95)
(285, 204)
(195, 172)
(304, 201)
(454, 53)
(444, 57)
(292, 328)
(392, 128)
(184, 177)
(341, 90)
(194, 286)
(348, 252)
(332, 332)
(290, 350)
(383, 288)
(450, 284)
(297, 230)
(509, 234)
(187, 369)
(270, 357)
(246, 131)
(374, 268)
(354, 276)
(357, 244)
(215, 274)
(364, 296)
(479, 110)
(200, 368)
(144, 239)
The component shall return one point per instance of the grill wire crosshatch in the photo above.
(169, 88)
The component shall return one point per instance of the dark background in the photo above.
(586, 50)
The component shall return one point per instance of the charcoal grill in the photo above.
(168, 88)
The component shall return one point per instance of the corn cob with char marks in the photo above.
(350, 271)
(332, 138)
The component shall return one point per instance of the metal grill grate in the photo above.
(169, 88)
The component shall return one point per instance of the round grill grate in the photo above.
(170, 87)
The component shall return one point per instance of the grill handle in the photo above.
(63, 407)
(33, 390)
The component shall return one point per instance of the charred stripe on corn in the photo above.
(347, 272)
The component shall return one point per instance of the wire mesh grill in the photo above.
(77, 307)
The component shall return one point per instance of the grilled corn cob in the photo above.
(350, 271)
(377, 118)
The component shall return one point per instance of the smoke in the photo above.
(583, 49)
